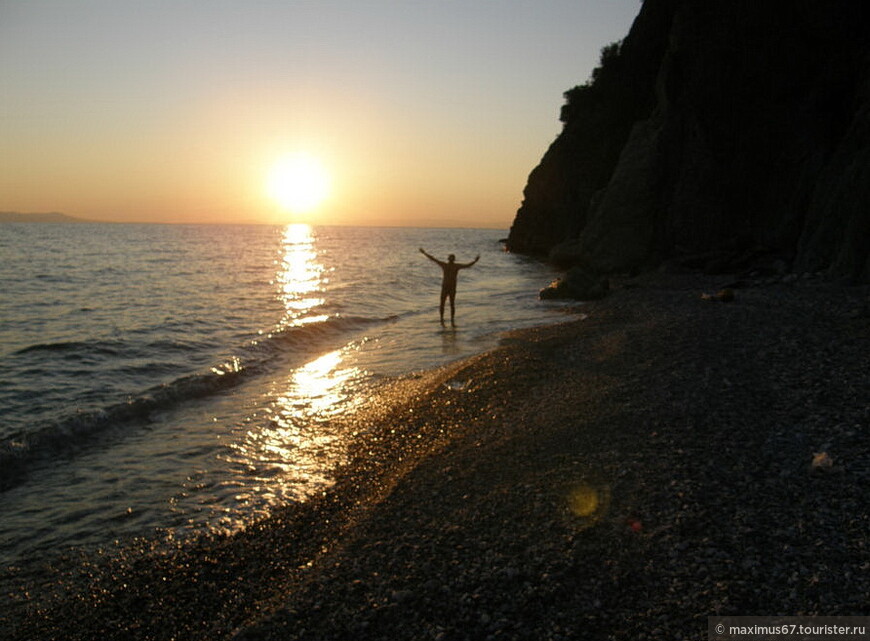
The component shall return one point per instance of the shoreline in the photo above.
(623, 476)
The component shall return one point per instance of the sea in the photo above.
(170, 380)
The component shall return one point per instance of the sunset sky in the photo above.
(428, 113)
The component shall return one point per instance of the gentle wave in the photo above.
(108, 348)
(70, 434)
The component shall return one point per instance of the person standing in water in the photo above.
(448, 283)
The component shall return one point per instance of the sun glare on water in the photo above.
(298, 183)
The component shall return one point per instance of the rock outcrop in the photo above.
(722, 134)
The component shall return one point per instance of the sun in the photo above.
(298, 183)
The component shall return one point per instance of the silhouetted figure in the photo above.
(448, 284)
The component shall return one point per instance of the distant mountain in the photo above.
(53, 217)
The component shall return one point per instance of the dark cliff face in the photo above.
(724, 128)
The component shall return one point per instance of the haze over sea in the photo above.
(170, 380)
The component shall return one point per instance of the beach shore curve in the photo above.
(661, 459)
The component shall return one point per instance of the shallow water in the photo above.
(182, 378)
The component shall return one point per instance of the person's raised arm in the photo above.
(430, 257)
(464, 265)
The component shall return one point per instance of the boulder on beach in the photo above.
(578, 284)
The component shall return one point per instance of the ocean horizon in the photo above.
(171, 380)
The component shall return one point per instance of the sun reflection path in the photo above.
(301, 278)
(288, 448)
(323, 384)
(292, 452)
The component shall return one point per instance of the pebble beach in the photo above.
(663, 458)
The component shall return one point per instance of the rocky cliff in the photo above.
(719, 134)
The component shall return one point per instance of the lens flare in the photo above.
(589, 503)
